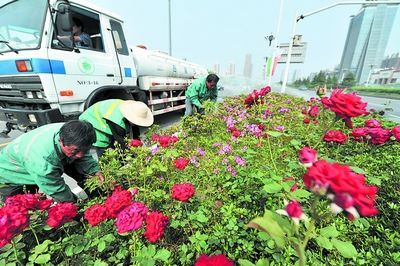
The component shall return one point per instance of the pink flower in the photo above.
(335, 136)
(307, 156)
(396, 132)
(156, 223)
(131, 218)
(313, 112)
(215, 260)
(372, 123)
(294, 209)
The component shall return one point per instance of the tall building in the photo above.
(216, 69)
(231, 69)
(248, 66)
(368, 34)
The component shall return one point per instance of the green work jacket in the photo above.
(35, 158)
(97, 114)
(197, 92)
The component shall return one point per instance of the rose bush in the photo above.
(241, 159)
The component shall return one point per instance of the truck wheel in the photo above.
(140, 96)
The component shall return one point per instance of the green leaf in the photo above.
(42, 247)
(324, 242)
(262, 262)
(357, 170)
(274, 133)
(374, 180)
(100, 263)
(69, 251)
(345, 248)
(245, 263)
(101, 246)
(272, 187)
(42, 258)
(268, 223)
(201, 217)
(295, 143)
(301, 193)
(162, 254)
(329, 231)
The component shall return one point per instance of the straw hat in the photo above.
(137, 113)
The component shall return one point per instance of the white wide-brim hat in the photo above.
(137, 113)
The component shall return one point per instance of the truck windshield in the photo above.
(21, 24)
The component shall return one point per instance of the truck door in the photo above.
(124, 66)
(86, 68)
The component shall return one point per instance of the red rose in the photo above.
(135, 143)
(95, 214)
(264, 91)
(349, 189)
(117, 201)
(313, 112)
(396, 132)
(306, 120)
(183, 192)
(307, 156)
(335, 136)
(379, 135)
(181, 163)
(372, 123)
(215, 260)
(61, 213)
(155, 226)
(236, 133)
(294, 209)
(359, 133)
(13, 221)
(345, 105)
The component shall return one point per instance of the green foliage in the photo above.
(229, 196)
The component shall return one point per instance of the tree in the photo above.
(349, 80)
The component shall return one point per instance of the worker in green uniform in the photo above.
(199, 91)
(116, 119)
(40, 157)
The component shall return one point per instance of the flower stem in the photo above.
(270, 153)
(34, 233)
(16, 252)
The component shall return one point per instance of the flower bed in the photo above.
(262, 178)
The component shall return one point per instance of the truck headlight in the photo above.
(32, 118)
(29, 94)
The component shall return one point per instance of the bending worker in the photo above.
(116, 119)
(199, 91)
(38, 159)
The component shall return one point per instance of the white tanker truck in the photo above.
(45, 77)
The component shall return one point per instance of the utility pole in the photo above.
(169, 24)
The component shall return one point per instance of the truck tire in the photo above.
(140, 96)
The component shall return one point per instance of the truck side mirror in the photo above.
(64, 17)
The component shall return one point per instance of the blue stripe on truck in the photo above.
(39, 66)
(128, 72)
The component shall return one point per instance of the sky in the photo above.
(223, 31)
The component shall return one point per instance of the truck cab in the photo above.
(47, 76)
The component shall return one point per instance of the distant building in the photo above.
(389, 77)
(366, 41)
(392, 62)
(231, 69)
(248, 66)
(215, 69)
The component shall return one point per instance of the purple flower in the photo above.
(216, 171)
(231, 170)
(200, 151)
(154, 149)
(226, 149)
(194, 161)
(283, 110)
(240, 161)
(280, 128)
(254, 129)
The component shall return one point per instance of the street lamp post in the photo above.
(276, 42)
(298, 18)
(371, 66)
(169, 27)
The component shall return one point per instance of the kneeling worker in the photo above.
(115, 119)
(40, 157)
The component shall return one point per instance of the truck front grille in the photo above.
(22, 92)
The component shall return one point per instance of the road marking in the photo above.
(395, 116)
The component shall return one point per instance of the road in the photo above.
(390, 106)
